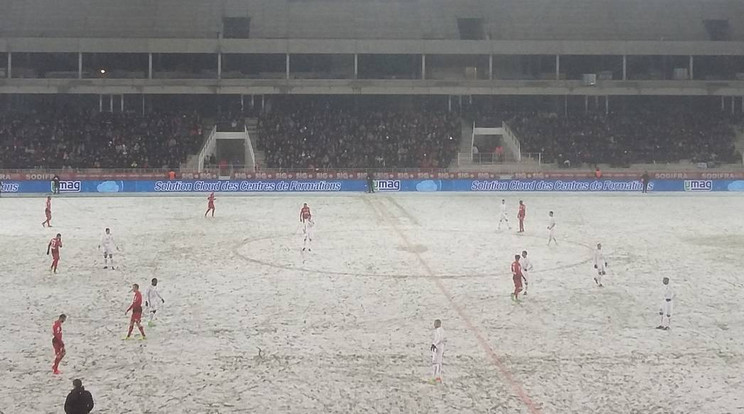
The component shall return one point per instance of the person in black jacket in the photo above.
(79, 401)
(55, 184)
(644, 180)
(370, 183)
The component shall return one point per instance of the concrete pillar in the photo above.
(607, 104)
(423, 67)
(490, 67)
(625, 67)
(692, 74)
(287, 66)
(586, 103)
(219, 65)
(242, 102)
(80, 65)
(143, 104)
(149, 66)
(10, 65)
(122, 103)
(111, 103)
(356, 66)
(100, 103)
(557, 67)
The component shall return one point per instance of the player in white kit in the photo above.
(108, 243)
(551, 229)
(504, 218)
(526, 268)
(666, 307)
(437, 350)
(153, 300)
(600, 264)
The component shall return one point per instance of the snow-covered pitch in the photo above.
(249, 324)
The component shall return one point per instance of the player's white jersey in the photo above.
(526, 265)
(439, 340)
(108, 243)
(503, 209)
(551, 224)
(153, 298)
(668, 294)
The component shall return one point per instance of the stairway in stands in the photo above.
(251, 126)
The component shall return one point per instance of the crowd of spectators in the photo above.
(52, 139)
(620, 139)
(327, 136)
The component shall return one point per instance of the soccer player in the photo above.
(54, 245)
(504, 218)
(210, 205)
(57, 343)
(136, 308)
(526, 268)
(600, 264)
(108, 243)
(48, 213)
(437, 350)
(551, 229)
(666, 306)
(153, 300)
(305, 215)
(520, 215)
(516, 269)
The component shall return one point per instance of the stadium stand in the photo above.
(620, 139)
(329, 136)
(97, 140)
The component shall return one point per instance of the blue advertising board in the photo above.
(331, 186)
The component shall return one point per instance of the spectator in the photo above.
(79, 401)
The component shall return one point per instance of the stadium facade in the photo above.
(403, 47)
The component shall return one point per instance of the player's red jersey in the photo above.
(522, 211)
(136, 306)
(57, 331)
(210, 199)
(305, 213)
(55, 244)
(516, 269)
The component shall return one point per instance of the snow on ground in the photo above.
(348, 329)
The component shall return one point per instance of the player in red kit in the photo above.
(210, 205)
(48, 213)
(53, 247)
(136, 308)
(516, 269)
(520, 216)
(305, 214)
(59, 346)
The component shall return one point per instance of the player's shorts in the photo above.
(108, 251)
(136, 317)
(48, 214)
(210, 206)
(55, 254)
(666, 308)
(517, 281)
(58, 346)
